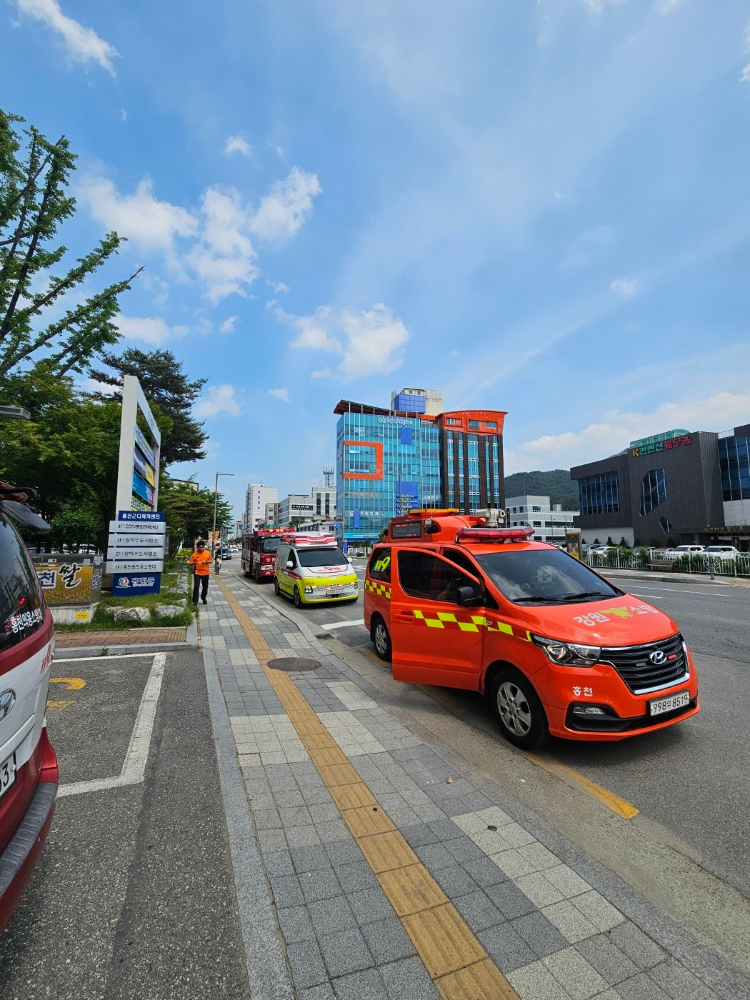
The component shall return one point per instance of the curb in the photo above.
(684, 578)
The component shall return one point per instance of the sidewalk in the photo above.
(659, 576)
(370, 864)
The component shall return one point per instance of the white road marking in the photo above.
(358, 621)
(652, 597)
(134, 767)
(703, 593)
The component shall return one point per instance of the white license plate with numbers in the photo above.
(662, 705)
(7, 773)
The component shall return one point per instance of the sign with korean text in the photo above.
(70, 579)
(136, 545)
(669, 444)
(135, 584)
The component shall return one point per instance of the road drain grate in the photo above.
(292, 664)
(324, 635)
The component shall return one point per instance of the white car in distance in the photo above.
(683, 550)
(723, 552)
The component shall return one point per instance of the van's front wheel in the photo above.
(297, 598)
(518, 710)
(381, 640)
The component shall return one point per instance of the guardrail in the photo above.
(646, 560)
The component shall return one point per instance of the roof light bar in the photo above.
(493, 534)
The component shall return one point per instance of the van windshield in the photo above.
(544, 576)
(322, 557)
(271, 544)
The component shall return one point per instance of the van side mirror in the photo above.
(467, 597)
(290, 564)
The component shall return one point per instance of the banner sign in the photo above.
(69, 579)
(145, 447)
(142, 467)
(154, 539)
(133, 585)
(142, 488)
(131, 554)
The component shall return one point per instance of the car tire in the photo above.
(518, 710)
(381, 640)
(276, 587)
(256, 575)
(297, 598)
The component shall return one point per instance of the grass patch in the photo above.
(102, 621)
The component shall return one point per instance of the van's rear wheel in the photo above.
(381, 640)
(518, 710)
(276, 588)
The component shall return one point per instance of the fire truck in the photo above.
(259, 552)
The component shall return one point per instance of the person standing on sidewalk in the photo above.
(202, 562)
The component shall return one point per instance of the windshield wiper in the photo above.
(539, 598)
(584, 593)
(562, 598)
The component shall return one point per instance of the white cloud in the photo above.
(278, 286)
(139, 216)
(237, 144)
(598, 5)
(616, 430)
(371, 341)
(625, 286)
(282, 394)
(224, 258)
(745, 74)
(228, 325)
(666, 6)
(150, 329)
(283, 211)
(83, 44)
(322, 373)
(123, 115)
(220, 400)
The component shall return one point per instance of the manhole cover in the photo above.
(291, 664)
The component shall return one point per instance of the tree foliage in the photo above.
(34, 177)
(190, 513)
(169, 388)
(556, 484)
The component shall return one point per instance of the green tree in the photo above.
(190, 513)
(168, 387)
(34, 202)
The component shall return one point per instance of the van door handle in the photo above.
(406, 616)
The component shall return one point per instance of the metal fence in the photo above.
(652, 559)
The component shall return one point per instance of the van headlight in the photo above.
(568, 654)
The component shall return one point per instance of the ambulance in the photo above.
(460, 601)
(312, 568)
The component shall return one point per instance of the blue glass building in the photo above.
(389, 462)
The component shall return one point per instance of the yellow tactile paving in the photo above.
(386, 851)
(443, 940)
(481, 981)
(328, 756)
(352, 796)
(452, 955)
(411, 889)
(367, 821)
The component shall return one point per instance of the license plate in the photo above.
(669, 704)
(7, 773)
(337, 588)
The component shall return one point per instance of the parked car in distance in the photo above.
(600, 549)
(226, 553)
(723, 552)
(684, 550)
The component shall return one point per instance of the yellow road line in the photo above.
(71, 683)
(607, 798)
(453, 956)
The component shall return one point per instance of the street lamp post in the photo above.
(216, 499)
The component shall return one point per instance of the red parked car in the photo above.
(28, 765)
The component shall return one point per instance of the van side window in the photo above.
(22, 606)
(462, 560)
(424, 576)
(380, 565)
(291, 556)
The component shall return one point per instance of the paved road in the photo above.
(691, 779)
(134, 894)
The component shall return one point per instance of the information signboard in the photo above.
(135, 552)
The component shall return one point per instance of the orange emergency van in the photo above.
(557, 650)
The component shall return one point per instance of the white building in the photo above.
(549, 522)
(295, 505)
(429, 401)
(324, 501)
(256, 499)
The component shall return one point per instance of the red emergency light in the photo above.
(493, 534)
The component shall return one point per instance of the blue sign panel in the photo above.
(135, 584)
(141, 515)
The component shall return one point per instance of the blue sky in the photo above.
(541, 207)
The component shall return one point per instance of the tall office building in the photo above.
(389, 462)
(256, 498)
